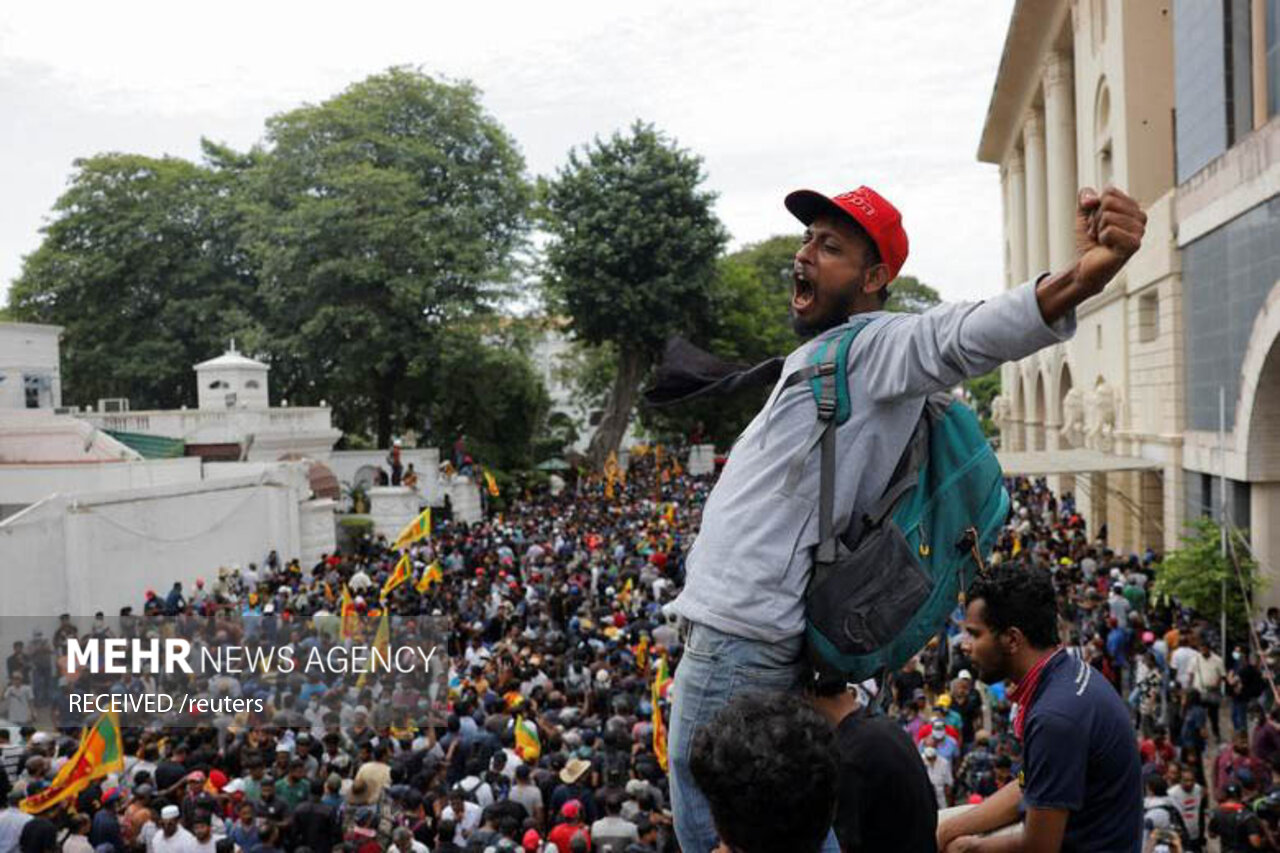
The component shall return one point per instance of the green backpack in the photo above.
(874, 602)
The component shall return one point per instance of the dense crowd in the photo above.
(550, 616)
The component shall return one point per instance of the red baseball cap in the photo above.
(872, 211)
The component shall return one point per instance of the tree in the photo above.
(1194, 575)
(748, 322)
(631, 255)
(983, 389)
(140, 266)
(378, 219)
(486, 387)
(909, 295)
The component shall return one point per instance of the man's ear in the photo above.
(1014, 639)
(877, 279)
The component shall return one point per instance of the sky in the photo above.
(773, 95)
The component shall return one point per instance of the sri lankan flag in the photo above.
(528, 745)
(491, 484)
(350, 619)
(381, 641)
(641, 651)
(430, 576)
(100, 753)
(417, 529)
(403, 571)
(661, 681)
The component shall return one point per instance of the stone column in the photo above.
(1037, 223)
(1060, 158)
(1015, 169)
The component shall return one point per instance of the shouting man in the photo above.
(743, 601)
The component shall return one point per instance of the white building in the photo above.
(234, 419)
(86, 523)
(1084, 97)
(232, 381)
(29, 374)
(1088, 93)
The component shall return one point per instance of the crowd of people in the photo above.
(551, 617)
(548, 616)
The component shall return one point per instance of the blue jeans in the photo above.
(715, 668)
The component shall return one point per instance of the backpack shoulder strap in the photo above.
(828, 375)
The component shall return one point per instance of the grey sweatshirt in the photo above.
(749, 566)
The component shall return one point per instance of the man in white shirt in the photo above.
(1191, 802)
(464, 815)
(12, 820)
(1207, 676)
(939, 770)
(172, 837)
(1181, 661)
(19, 698)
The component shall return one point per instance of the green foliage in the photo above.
(983, 390)
(633, 240)
(352, 251)
(749, 322)
(139, 264)
(488, 390)
(379, 218)
(631, 256)
(588, 371)
(1193, 575)
(909, 295)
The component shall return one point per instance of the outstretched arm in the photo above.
(917, 354)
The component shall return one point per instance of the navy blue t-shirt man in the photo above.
(1081, 784)
(1080, 754)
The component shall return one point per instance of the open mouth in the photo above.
(803, 292)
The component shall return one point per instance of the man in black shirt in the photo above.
(315, 823)
(886, 801)
(1238, 828)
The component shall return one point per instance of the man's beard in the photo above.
(813, 326)
(998, 671)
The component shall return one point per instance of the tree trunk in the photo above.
(387, 382)
(617, 411)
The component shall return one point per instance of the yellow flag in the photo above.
(417, 529)
(430, 576)
(528, 744)
(401, 574)
(491, 484)
(381, 640)
(350, 619)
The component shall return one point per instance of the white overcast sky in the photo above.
(773, 95)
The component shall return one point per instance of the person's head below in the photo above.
(1010, 621)
(854, 245)
(402, 838)
(1156, 785)
(766, 764)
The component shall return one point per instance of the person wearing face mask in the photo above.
(1244, 685)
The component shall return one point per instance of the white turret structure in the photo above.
(232, 381)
